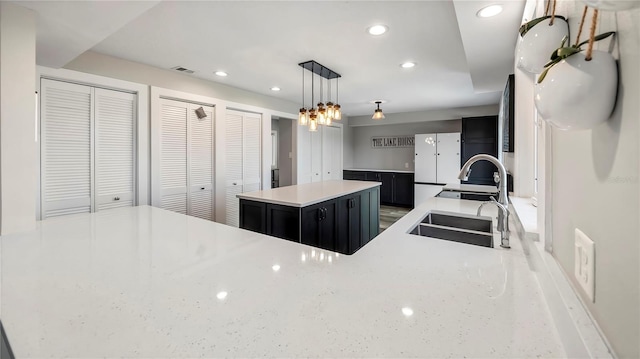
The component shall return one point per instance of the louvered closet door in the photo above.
(251, 156)
(65, 149)
(114, 149)
(233, 166)
(201, 163)
(173, 155)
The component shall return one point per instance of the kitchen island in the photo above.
(143, 282)
(338, 215)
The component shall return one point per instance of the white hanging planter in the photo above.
(578, 94)
(612, 5)
(535, 46)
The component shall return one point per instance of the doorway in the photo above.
(282, 152)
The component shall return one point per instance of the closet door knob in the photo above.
(202, 188)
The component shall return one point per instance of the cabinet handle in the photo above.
(116, 198)
(202, 188)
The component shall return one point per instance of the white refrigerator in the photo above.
(437, 163)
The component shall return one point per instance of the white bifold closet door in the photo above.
(243, 159)
(186, 159)
(87, 148)
(114, 149)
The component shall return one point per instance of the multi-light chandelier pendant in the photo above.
(323, 114)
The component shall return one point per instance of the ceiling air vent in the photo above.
(182, 69)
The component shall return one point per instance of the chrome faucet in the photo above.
(503, 223)
(503, 199)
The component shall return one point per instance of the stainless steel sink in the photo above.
(456, 227)
(472, 196)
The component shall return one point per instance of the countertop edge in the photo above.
(377, 170)
(247, 196)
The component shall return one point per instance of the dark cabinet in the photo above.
(354, 175)
(319, 229)
(396, 189)
(372, 176)
(343, 224)
(387, 187)
(282, 221)
(349, 227)
(403, 189)
(252, 216)
(480, 135)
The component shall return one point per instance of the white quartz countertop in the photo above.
(306, 194)
(378, 170)
(143, 282)
(461, 187)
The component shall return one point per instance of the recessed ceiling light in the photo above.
(407, 311)
(408, 65)
(221, 295)
(377, 30)
(275, 88)
(275, 267)
(221, 73)
(489, 11)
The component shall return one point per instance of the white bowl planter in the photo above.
(537, 44)
(613, 5)
(578, 94)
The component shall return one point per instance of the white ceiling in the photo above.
(462, 60)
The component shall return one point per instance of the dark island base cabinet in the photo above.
(343, 224)
(397, 188)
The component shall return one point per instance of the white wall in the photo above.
(109, 66)
(18, 163)
(348, 143)
(366, 157)
(520, 163)
(422, 116)
(595, 187)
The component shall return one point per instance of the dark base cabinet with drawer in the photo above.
(397, 188)
(342, 224)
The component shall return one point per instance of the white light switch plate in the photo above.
(584, 263)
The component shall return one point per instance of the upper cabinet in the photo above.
(437, 157)
(480, 135)
(87, 148)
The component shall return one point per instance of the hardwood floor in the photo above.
(389, 215)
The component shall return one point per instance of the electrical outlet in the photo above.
(584, 263)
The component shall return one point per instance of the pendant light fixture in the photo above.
(330, 112)
(337, 112)
(324, 114)
(377, 114)
(303, 116)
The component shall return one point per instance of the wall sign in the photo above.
(392, 141)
